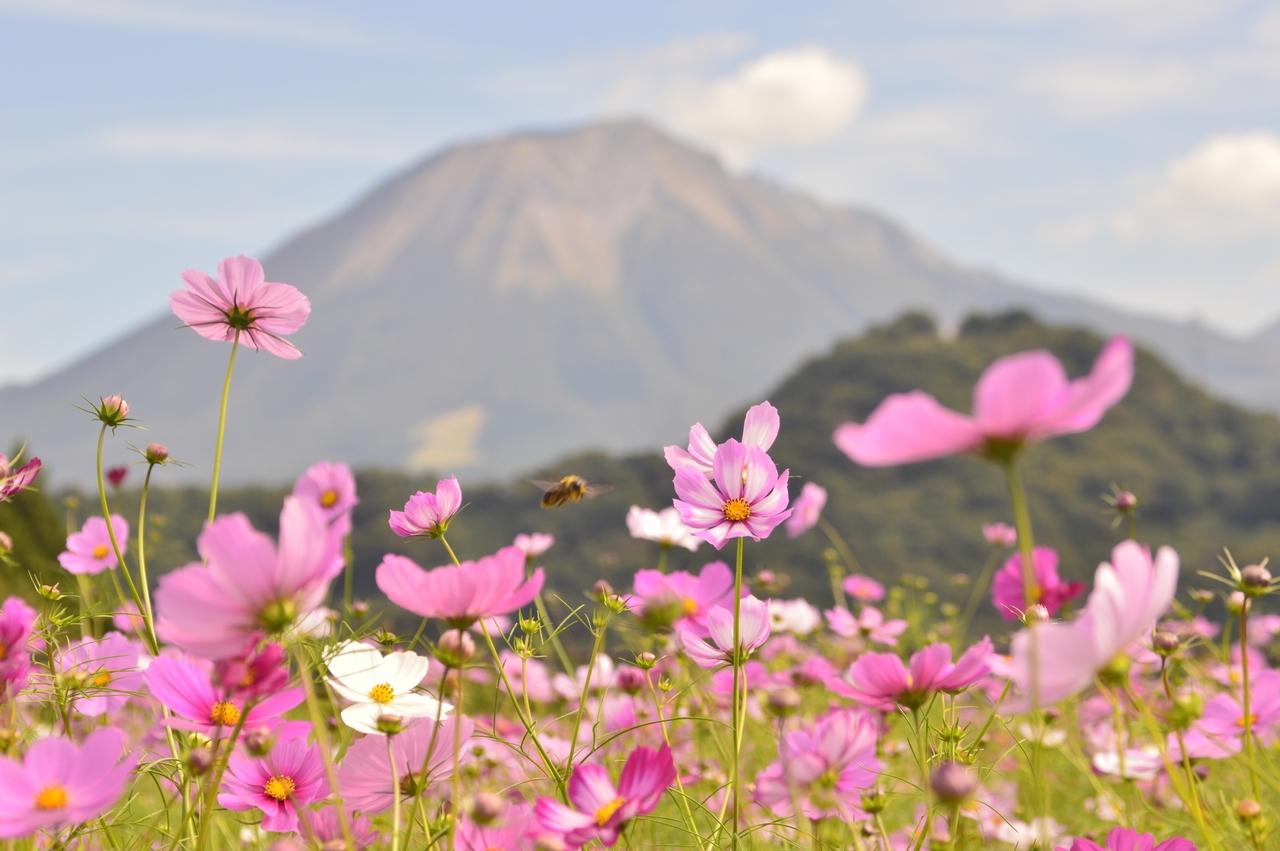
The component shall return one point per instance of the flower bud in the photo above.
(602, 590)
(953, 782)
(487, 807)
(1248, 809)
(454, 648)
(360, 608)
(766, 577)
(875, 801)
(389, 724)
(1125, 501)
(112, 410)
(615, 604)
(156, 453)
(200, 760)
(6, 543)
(1165, 643)
(259, 741)
(665, 684)
(646, 660)
(1237, 603)
(784, 701)
(530, 625)
(631, 680)
(50, 592)
(1035, 613)
(1201, 595)
(1255, 579)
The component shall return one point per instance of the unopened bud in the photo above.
(1125, 501)
(1237, 603)
(784, 701)
(646, 660)
(665, 684)
(156, 453)
(115, 406)
(530, 625)
(1201, 595)
(1036, 613)
(1248, 809)
(454, 648)
(50, 592)
(602, 590)
(258, 741)
(766, 577)
(953, 782)
(615, 604)
(630, 679)
(200, 760)
(875, 801)
(360, 607)
(487, 807)
(1255, 578)
(1165, 643)
(6, 543)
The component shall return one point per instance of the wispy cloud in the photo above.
(248, 142)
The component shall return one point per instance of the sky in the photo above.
(1127, 151)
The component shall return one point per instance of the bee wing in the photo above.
(596, 488)
(544, 485)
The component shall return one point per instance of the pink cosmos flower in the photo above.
(534, 545)
(242, 305)
(14, 481)
(17, 620)
(365, 775)
(748, 497)
(58, 783)
(1127, 839)
(256, 671)
(516, 830)
(281, 784)
(116, 475)
(664, 527)
(108, 668)
(1008, 593)
(760, 429)
(324, 827)
(823, 770)
(599, 808)
(864, 589)
(679, 599)
(428, 514)
(753, 631)
(869, 623)
(526, 675)
(463, 594)
(1218, 732)
(806, 510)
(999, 534)
(330, 486)
(186, 687)
(246, 585)
(1129, 595)
(90, 550)
(1019, 399)
(881, 681)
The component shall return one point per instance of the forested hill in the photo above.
(1207, 475)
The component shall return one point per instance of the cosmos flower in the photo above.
(797, 617)
(516, 830)
(15, 481)
(533, 545)
(823, 770)
(186, 687)
(679, 599)
(746, 498)
(1127, 839)
(325, 827)
(89, 550)
(1020, 399)
(116, 475)
(806, 510)
(664, 527)
(17, 620)
(999, 534)
(864, 589)
(366, 778)
(428, 514)
(881, 681)
(281, 784)
(1009, 595)
(461, 594)
(869, 623)
(380, 685)
(760, 429)
(108, 670)
(242, 305)
(330, 486)
(753, 631)
(600, 809)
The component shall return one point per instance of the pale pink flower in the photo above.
(325, 826)
(428, 514)
(679, 599)
(241, 304)
(1221, 725)
(108, 668)
(600, 809)
(999, 534)
(881, 681)
(1009, 595)
(15, 481)
(526, 675)
(534, 545)
(753, 631)
(760, 429)
(330, 486)
(515, 830)
(59, 783)
(89, 550)
(1020, 399)
(186, 687)
(1127, 839)
(797, 617)
(823, 770)
(245, 585)
(461, 594)
(365, 775)
(806, 510)
(864, 589)
(747, 497)
(280, 784)
(664, 527)
(870, 624)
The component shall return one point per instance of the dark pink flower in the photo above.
(1008, 593)
(516, 830)
(747, 497)
(1127, 839)
(864, 589)
(754, 626)
(186, 687)
(365, 775)
(241, 303)
(679, 599)
(330, 486)
(759, 429)
(881, 681)
(17, 620)
(252, 673)
(281, 784)
(116, 475)
(1019, 399)
(14, 481)
(461, 594)
(428, 514)
(823, 770)
(89, 550)
(58, 783)
(599, 808)
(806, 510)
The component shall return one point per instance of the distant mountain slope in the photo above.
(508, 301)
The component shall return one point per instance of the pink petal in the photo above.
(728, 466)
(1016, 390)
(908, 427)
(761, 426)
(1088, 398)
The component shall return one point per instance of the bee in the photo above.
(568, 489)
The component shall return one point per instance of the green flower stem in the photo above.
(222, 427)
(456, 800)
(456, 563)
(837, 541)
(150, 634)
(1247, 720)
(922, 757)
(596, 650)
(979, 591)
(690, 825)
(529, 727)
(1022, 522)
(395, 798)
(147, 613)
(348, 571)
(737, 680)
(210, 791)
(322, 741)
(82, 582)
(662, 557)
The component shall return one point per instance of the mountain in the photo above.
(507, 301)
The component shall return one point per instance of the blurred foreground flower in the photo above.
(463, 594)
(806, 510)
(664, 527)
(1008, 593)
(58, 782)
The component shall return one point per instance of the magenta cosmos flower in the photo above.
(864, 589)
(869, 624)
(281, 784)
(807, 509)
(14, 481)
(824, 769)
(90, 550)
(246, 585)
(242, 305)
(881, 681)
(679, 599)
(366, 778)
(1127, 839)
(463, 594)
(1019, 399)
(747, 497)
(330, 486)
(58, 783)
(754, 626)
(324, 826)
(428, 514)
(599, 808)
(1009, 595)
(17, 620)
(760, 429)
(186, 687)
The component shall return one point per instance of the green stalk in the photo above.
(147, 614)
(222, 427)
(1244, 686)
(395, 807)
(322, 741)
(1022, 522)
(662, 557)
(210, 791)
(737, 677)
(596, 650)
(979, 591)
(150, 634)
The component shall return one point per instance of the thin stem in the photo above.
(1247, 720)
(348, 571)
(150, 634)
(662, 557)
(922, 756)
(596, 650)
(1030, 588)
(1133, 526)
(395, 806)
(456, 563)
(322, 741)
(210, 791)
(222, 427)
(979, 591)
(142, 551)
(837, 541)
(690, 824)
(548, 765)
(737, 678)
(456, 800)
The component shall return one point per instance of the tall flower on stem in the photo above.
(748, 497)
(881, 681)
(732, 646)
(427, 515)
(600, 809)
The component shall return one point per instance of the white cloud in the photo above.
(1086, 88)
(246, 142)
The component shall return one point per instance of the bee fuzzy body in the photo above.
(569, 489)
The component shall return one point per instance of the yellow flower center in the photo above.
(225, 713)
(382, 693)
(910, 682)
(100, 551)
(102, 679)
(606, 812)
(51, 798)
(690, 605)
(4, 651)
(279, 788)
(736, 510)
(1246, 721)
(329, 499)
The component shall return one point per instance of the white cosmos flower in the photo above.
(381, 685)
(665, 527)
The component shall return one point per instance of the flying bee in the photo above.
(568, 489)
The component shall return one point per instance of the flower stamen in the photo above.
(736, 510)
(382, 693)
(225, 713)
(606, 812)
(280, 788)
(51, 798)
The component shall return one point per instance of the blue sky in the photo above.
(1126, 150)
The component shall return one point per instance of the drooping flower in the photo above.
(1127, 839)
(679, 599)
(246, 585)
(1020, 399)
(664, 527)
(1009, 595)
(365, 775)
(999, 534)
(869, 623)
(753, 631)
(89, 550)
(105, 672)
(759, 429)
(241, 304)
(428, 514)
(330, 486)
(600, 808)
(807, 509)
(281, 784)
(1129, 595)
(461, 594)
(533, 545)
(881, 681)
(59, 783)
(823, 770)
(380, 685)
(186, 687)
(325, 827)
(15, 481)
(747, 497)
(516, 830)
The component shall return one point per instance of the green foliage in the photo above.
(39, 533)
